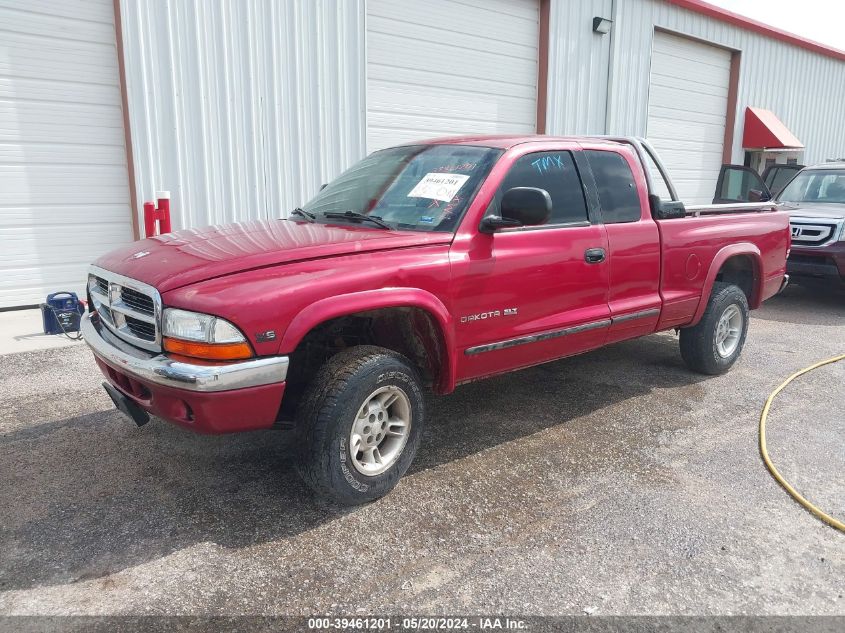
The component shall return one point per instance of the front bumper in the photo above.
(208, 398)
(827, 262)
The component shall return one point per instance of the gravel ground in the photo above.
(612, 483)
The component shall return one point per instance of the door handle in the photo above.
(594, 255)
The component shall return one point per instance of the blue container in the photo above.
(61, 313)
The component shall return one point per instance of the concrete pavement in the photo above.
(615, 482)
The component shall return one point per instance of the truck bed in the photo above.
(710, 234)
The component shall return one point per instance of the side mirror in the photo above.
(529, 206)
(666, 209)
(492, 223)
(520, 206)
(755, 195)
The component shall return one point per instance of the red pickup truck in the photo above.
(423, 266)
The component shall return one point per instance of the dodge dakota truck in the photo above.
(422, 267)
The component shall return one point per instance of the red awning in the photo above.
(763, 130)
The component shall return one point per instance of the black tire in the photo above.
(328, 410)
(699, 345)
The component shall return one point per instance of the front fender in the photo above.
(742, 248)
(351, 303)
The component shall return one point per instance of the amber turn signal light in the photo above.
(209, 351)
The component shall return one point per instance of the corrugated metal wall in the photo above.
(806, 90)
(242, 108)
(578, 68)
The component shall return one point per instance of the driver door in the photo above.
(531, 294)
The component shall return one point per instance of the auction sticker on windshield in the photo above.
(438, 186)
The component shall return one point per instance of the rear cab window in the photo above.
(617, 190)
(554, 172)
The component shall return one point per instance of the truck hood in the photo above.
(827, 211)
(185, 257)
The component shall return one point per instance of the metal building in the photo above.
(242, 108)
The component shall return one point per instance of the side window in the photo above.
(736, 184)
(832, 188)
(777, 177)
(555, 172)
(618, 195)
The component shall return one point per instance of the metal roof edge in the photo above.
(718, 13)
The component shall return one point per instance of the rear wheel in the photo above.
(713, 345)
(359, 424)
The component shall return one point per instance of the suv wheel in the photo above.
(359, 424)
(713, 345)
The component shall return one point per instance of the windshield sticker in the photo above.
(426, 219)
(436, 186)
(467, 166)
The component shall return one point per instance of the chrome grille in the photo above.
(102, 284)
(137, 300)
(130, 308)
(141, 329)
(814, 231)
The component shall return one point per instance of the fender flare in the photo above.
(343, 305)
(742, 248)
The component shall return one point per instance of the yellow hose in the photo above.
(839, 525)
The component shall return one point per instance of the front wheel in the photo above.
(714, 344)
(359, 425)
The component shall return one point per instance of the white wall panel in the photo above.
(450, 67)
(242, 108)
(578, 68)
(64, 185)
(805, 89)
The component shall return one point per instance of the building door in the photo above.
(687, 108)
(64, 197)
(449, 67)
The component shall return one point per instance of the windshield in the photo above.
(417, 187)
(816, 185)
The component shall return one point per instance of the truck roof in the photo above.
(506, 141)
(833, 165)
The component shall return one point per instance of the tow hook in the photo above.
(126, 406)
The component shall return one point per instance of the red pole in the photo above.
(149, 219)
(163, 214)
(160, 214)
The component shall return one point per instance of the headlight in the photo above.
(202, 336)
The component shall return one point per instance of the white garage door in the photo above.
(448, 67)
(688, 102)
(64, 194)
